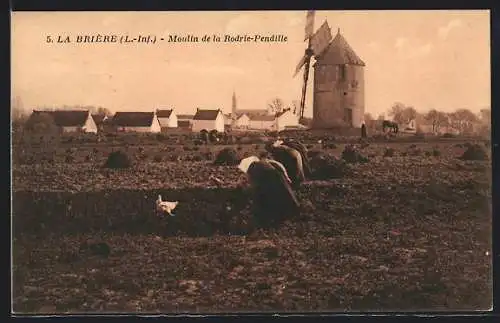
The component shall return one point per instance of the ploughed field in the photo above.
(409, 230)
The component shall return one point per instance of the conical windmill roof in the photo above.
(338, 53)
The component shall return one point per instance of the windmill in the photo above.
(316, 44)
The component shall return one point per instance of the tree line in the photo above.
(461, 120)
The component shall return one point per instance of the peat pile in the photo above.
(474, 152)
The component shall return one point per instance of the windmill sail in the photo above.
(300, 64)
(321, 39)
(309, 30)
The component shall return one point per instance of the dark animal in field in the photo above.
(391, 125)
(273, 198)
(291, 159)
(302, 149)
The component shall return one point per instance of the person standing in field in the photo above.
(363, 131)
(290, 158)
(273, 198)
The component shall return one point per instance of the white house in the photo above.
(167, 118)
(262, 122)
(410, 127)
(286, 119)
(69, 120)
(242, 121)
(228, 121)
(136, 122)
(208, 120)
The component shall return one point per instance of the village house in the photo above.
(228, 121)
(68, 120)
(286, 119)
(262, 122)
(136, 122)
(277, 122)
(185, 121)
(208, 120)
(167, 119)
(242, 121)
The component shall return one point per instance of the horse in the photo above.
(391, 125)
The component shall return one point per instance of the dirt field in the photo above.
(407, 232)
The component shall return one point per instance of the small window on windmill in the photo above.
(343, 72)
(348, 116)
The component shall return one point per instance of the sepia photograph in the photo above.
(219, 162)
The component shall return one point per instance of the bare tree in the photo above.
(277, 105)
(485, 116)
(462, 120)
(485, 122)
(402, 114)
(437, 118)
(396, 111)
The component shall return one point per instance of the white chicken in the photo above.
(165, 206)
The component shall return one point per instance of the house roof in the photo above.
(66, 118)
(164, 113)
(238, 116)
(338, 53)
(206, 114)
(185, 116)
(133, 119)
(251, 112)
(263, 118)
(279, 114)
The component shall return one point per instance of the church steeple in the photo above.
(233, 110)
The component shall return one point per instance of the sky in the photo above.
(426, 59)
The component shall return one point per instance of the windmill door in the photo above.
(348, 116)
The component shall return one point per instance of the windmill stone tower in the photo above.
(339, 89)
